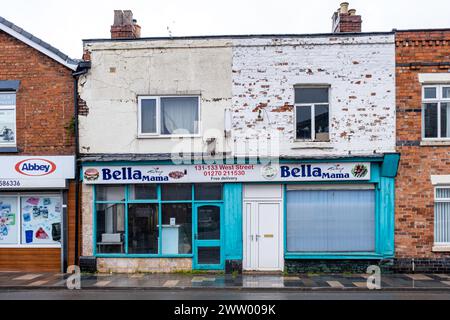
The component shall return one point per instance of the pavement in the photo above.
(192, 282)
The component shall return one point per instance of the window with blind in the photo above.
(330, 221)
(442, 216)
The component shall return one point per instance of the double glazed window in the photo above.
(149, 219)
(30, 220)
(330, 221)
(7, 119)
(436, 112)
(312, 113)
(168, 116)
(442, 216)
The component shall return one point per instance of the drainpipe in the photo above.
(83, 69)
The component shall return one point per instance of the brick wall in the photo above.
(414, 198)
(45, 103)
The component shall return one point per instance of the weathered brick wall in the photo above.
(415, 193)
(45, 103)
(359, 69)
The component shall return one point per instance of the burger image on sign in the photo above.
(91, 174)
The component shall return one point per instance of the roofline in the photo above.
(421, 30)
(69, 63)
(245, 36)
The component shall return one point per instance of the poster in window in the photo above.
(8, 221)
(41, 220)
(7, 126)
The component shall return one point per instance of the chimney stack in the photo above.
(125, 27)
(345, 20)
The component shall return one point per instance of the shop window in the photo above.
(177, 229)
(208, 192)
(7, 119)
(436, 112)
(143, 229)
(167, 116)
(154, 220)
(9, 221)
(312, 113)
(176, 192)
(330, 221)
(110, 228)
(442, 216)
(110, 193)
(32, 220)
(143, 192)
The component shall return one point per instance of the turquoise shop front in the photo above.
(244, 216)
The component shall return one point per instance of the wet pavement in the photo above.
(14, 280)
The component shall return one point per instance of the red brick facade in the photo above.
(44, 117)
(417, 52)
(45, 102)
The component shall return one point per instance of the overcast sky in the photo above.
(65, 23)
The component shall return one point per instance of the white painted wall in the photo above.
(360, 71)
(123, 70)
(240, 74)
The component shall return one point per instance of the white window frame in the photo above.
(313, 113)
(438, 100)
(158, 134)
(440, 200)
(10, 107)
(19, 244)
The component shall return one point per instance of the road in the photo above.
(218, 295)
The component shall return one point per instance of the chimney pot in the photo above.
(344, 8)
(352, 12)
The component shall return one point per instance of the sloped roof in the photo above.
(38, 44)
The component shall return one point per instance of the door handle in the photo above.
(257, 237)
(251, 238)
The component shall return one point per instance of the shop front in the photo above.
(34, 203)
(160, 217)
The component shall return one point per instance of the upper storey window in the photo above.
(7, 119)
(312, 114)
(436, 112)
(169, 116)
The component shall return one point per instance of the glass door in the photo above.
(208, 236)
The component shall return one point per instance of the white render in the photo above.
(236, 77)
(122, 71)
(359, 69)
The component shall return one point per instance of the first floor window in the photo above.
(165, 116)
(442, 216)
(7, 119)
(30, 220)
(436, 112)
(312, 114)
(330, 221)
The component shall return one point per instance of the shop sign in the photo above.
(36, 172)
(218, 173)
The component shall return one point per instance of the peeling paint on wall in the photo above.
(360, 71)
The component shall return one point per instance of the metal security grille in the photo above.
(442, 216)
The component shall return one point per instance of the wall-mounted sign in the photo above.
(218, 173)
(36, 171)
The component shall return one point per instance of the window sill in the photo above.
(8, 150)
(197, 136)
(435, 143)
(441, 248)
(299, 145)
(17, 246)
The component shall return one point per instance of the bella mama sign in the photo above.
(218, 173)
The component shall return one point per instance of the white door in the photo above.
(263, 240)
